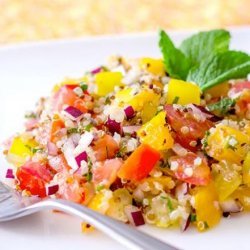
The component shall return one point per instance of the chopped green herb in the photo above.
(33, 150)
(99, 188)
(204, 140)
(193, 217)
(83, 86)
(170, 205)
(231, 143)
(88, 127)
(107, 101)
(176, 99)
(31, 115)
(72, 131)
(89, 175)
(206, 225)
(223, 106)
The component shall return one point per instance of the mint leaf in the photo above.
(203, 44)
(219, 68)
(223, 106)
(176, 64)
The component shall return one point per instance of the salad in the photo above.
(163, 141)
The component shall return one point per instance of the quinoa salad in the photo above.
(161, 141)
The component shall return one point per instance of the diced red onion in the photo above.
(113, 126)
(210, 116)
(73, 112)
(185, 223)
(81, 157)
(130, 129)
(52, 149)
(50, 190)
(134, 215)
(231, 206)
(9, 174)
(179, 150)
(129, 112)
(97, 70)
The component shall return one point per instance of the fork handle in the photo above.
(125, 234)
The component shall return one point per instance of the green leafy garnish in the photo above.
(88, 127)
(176, 63)
(220, 68)
(223, 106)
(72, 131)
(203, 44)
(204, 59)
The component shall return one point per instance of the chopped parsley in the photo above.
(99, 188)
(89, 175)
(176, 99)
(33, 150)
(192, 217)
(30, 115)
(170, 205)
(88, 127)
(72, 131)
(83, 86)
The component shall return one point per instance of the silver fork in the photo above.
(13, 206)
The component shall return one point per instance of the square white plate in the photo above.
(28, 72)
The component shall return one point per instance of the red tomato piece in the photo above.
(191, 169)
(32, 177)
(105, 148)
(239, 87)
(139, 164)
(107, 171)
(66, 96)
(189, 129)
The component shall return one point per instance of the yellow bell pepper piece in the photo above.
(106, 82)
(246, 170)
(227, 143)
(137, 101)
(100, 202)
(226, 180)
(183, 93)
(19, 151)
(156, 133)
(208, 212)
(242, 194)
(219, 90)
(154, 66)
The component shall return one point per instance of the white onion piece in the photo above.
(68, 149)
(185, 223)
(130, 129)
(84, 142)
(231, 206)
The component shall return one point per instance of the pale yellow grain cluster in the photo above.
(25, 20)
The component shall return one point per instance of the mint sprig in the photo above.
(204, 59)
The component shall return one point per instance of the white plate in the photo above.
(28, 72)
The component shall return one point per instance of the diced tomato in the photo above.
(105, 148)
(139, 164)
(66, 96)
(188, 128)
(55, 132)
(191, 168)
(70, 188)
(239, 87)
(107, 172)
(32, 177)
